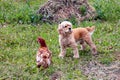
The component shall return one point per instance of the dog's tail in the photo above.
(91, 29)
(41, 42)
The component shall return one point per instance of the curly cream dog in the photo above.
(68, 38)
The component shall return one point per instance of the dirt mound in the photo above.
(58, 10)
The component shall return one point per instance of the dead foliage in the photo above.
(58, 10)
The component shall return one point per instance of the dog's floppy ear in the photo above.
(60, 31)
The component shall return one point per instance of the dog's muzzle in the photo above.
(69, 29)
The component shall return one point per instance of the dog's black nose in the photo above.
(70, 29)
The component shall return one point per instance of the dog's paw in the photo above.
(76, 56)
(81, 49)
(94, 53)
(61, 56)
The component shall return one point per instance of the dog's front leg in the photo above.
(63, 52)
(75, 51)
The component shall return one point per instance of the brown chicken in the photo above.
(43, 57)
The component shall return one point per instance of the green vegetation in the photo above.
(18, 43)
(107, 9)
(20, 11)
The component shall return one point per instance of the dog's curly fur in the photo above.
(69, 37)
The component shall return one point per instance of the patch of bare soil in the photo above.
(117, 55)
(97, 71)
(56, 76)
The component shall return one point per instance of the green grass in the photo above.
(18, 43)
(107, 9)
(19, 46)
(20, 11)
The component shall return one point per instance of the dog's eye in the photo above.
(65, 26)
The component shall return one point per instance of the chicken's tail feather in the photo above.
(42, 42)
